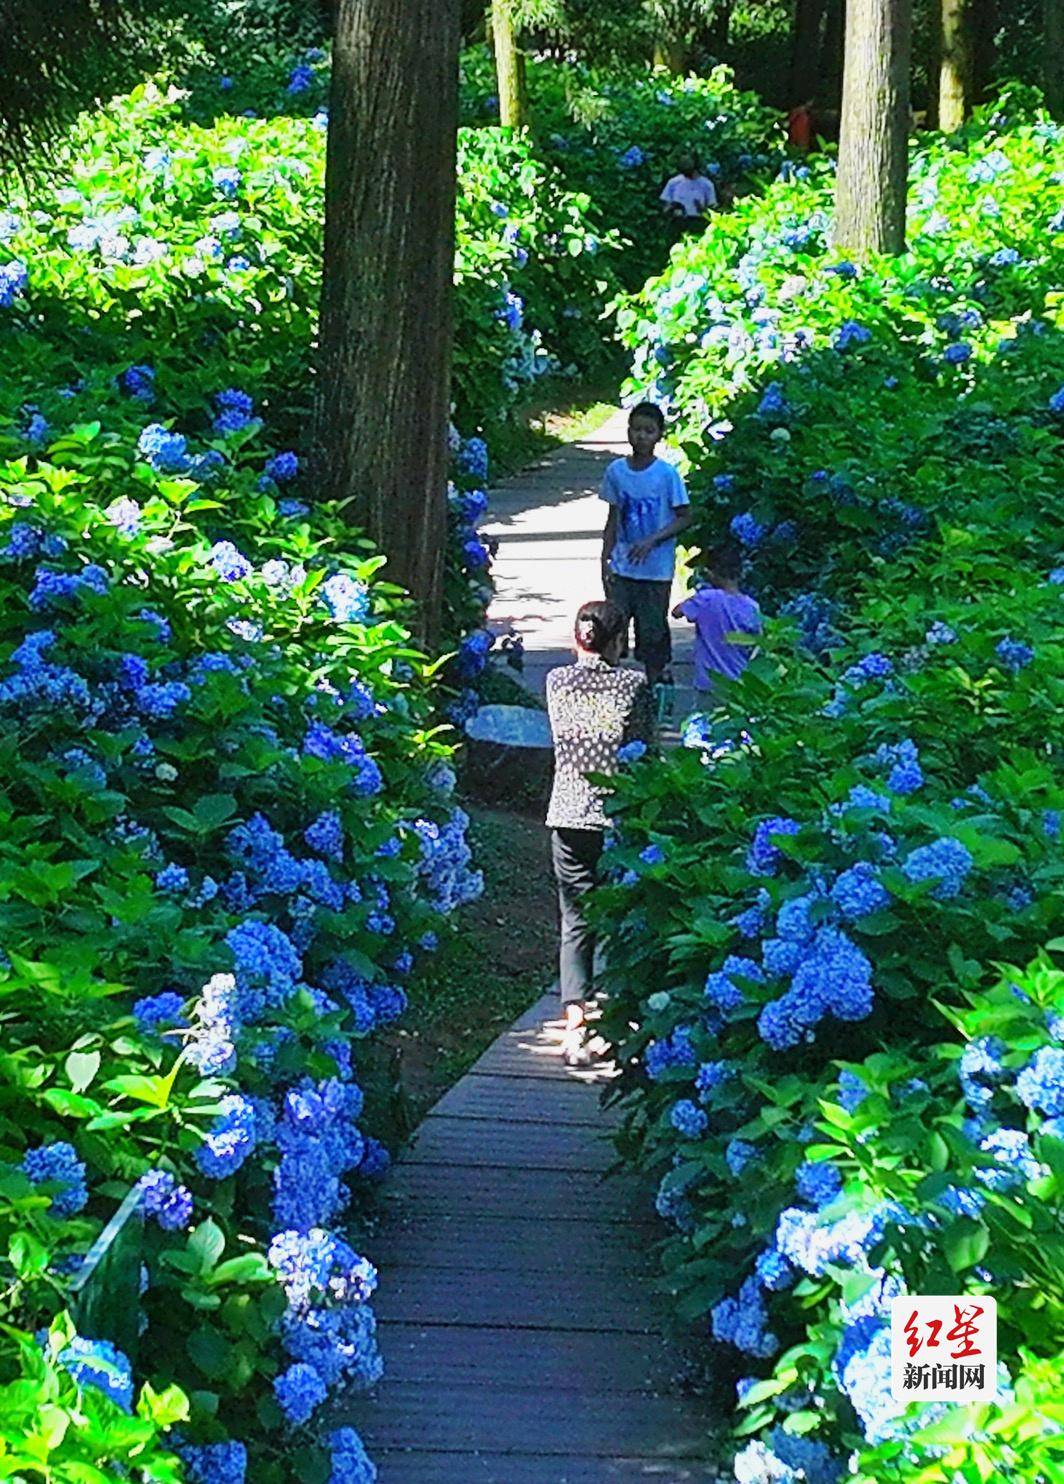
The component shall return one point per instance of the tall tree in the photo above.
(510, 68)
(870, 186)
(986, 23)
(1053, 55)
(955, 69)
(385, 339)
(804, 81)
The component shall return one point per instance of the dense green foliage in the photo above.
(618, 137)
(843, 1093)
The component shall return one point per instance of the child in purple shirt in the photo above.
(718, 612)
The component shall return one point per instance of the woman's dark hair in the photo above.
(651, 410)
(597, 625)
(725, 560)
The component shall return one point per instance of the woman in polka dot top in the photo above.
(595, 707)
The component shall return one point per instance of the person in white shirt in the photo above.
(689, 195)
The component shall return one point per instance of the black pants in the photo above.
(575, 854)
(648, 604)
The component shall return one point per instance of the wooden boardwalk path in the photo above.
(520, 1344)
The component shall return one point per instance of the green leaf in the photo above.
(163, 1407)
(210, 1351)
(214, 809)
(208, 1244)
(965, 1243)
(81, 1068)
(250, 1268)
(28, 1257)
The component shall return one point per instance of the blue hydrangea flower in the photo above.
(350, 1462)
(325, 835)
(818, 1183)
(58, 1164)
(631, 752)
(850, 332)
(214, 1463)
(282, 467)
(738, 1154)
(858, 892)
(979, 1070)
(299, 1391)
(166, 452)
(100, 1364)
(13, 281)
(230, 1140)
(940, 633)
(747, 529)
(160, 1011)
(710, 1075)
(631, 158)
(764, 857)
(773, 1270)
(1041, 1083)
(228, 562)
(945, 861)
(166, 1200)
(688, 1119)
(347, 599)
(1013, 654)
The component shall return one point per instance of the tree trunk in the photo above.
(718, 33)
(385, 338)
(985, 22)
(832, 48)
(509, 67)
(955, 76)
(805, 51)
(874, 130)
(671, 52)
(934, 59)
(1053, 55)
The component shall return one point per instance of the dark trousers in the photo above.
(648, 604)
(575, 854)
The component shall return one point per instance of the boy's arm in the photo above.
(609, 541)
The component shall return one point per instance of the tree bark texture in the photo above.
(933, 15)
(385, 340)
(955, 73)
(870, 190)
(986, 21)
(1053, 55)
(510, 69)
(804, 81)
(832, 49)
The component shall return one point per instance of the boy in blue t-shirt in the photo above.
(648, 509)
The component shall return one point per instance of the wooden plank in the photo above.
(530, 1056)
(454, 1418)
(551, 1298)
(417, 1467)
(472, 1242)
(529, 1099)
(561, 1361)
(546, 1009)
(573, 1195)
(441, 1139)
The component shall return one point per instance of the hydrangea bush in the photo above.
(842, 1094)
(618, 136)
(229, 834)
